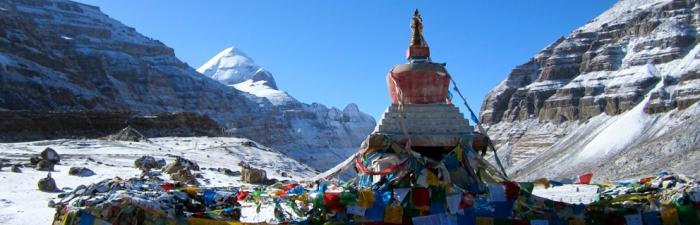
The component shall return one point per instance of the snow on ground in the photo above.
(619, 132)
(22, 203)
(570, 193)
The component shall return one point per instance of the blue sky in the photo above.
(336, 52)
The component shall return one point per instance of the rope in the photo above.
(365, 170)
(478, 125)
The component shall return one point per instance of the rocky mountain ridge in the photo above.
(639, 60)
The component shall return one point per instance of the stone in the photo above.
(80, 171)
(180, 163)
(44, 165)
(184, 176)
(15, 168)
(50, 155)
(252, 175)
(146, 163)
(47, 184)
(229, 172)
(34, 160)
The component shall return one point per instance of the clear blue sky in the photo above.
(336, 52)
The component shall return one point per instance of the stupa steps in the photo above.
(423, 119)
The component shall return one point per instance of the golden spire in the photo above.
(417, 28)
(418, 49)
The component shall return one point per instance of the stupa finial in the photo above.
(417, 27)
(418, 48)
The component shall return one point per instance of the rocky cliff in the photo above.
(594, 99)
(68, 57)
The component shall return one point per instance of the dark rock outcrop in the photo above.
(36, 125)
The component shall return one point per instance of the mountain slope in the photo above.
(319, 132)
(68, 57)
(593, 100)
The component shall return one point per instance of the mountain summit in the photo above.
(232, 66)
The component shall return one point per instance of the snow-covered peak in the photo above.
(232, 66)
(621, 12)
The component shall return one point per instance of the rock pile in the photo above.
(180, 163)
(181, 170)
(46, 160)
(128, 134)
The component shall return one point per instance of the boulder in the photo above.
(50, 155)
(34, 160)
(184, 176)
(252, 175)
(80, 171)
(146, 163)
(180, 163)
(229, 172)
(15, 168)
(47, 184)
(44, 165)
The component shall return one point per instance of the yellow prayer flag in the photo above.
(669, 216)
(484, 220)
(393, 214)
(365, 198)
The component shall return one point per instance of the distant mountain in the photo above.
(319, 132)
(63, 56)
(617, 96)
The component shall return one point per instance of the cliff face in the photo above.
(67, 57)
(638, 60)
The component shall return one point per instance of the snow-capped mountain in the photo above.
(616, 97)
(320, 132)
(64, 56)
(234, 68)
